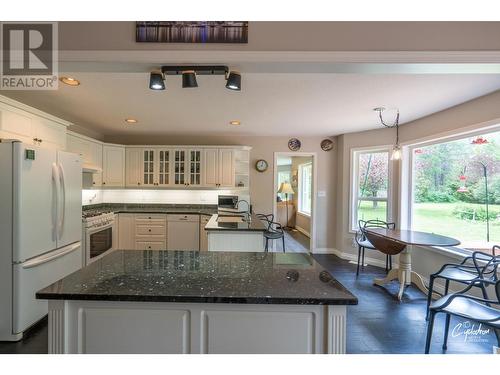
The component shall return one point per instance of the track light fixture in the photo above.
(156, 81)
(396, 149)
(234, 81)
(189, 79)
(189, 73)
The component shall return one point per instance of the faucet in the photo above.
(247, 212)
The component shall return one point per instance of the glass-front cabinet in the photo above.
(179, 167)
(148, 170)
(194, 167)
(164, 167)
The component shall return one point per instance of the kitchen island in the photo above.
(194, 302)
(235, 233)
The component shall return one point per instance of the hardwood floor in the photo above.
(379, 324)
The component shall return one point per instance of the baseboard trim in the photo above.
(354, 257)
(303, 231)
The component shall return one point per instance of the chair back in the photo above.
(268, 218)
(375, 223)
(486, 265)
(494, 249)
(275, 227)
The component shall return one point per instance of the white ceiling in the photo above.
(269, 104)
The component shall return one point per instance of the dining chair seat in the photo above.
(272, 235)
(468, 309)
(366, 244)
(457, 274)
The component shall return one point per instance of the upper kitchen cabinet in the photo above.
(113, 166)
(219, 167)
(187, 167)
(148, 167)
(91, 153)
(31, 126)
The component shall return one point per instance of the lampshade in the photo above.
(189, 79)
(234, 81)
(286, 188)
(156, 81)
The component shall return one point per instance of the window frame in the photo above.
(407, 175)
(299, 188)
(353, 183)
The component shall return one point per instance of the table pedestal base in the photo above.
(404, 275)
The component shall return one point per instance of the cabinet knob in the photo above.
(149, 217)
(149, 230)
(149, 247)
(104, 183)
(93, 182)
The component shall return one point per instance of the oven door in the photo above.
(98, 242)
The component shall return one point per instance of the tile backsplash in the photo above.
(95, 196)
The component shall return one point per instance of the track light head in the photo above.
(189, 79)
(234, 81)
(156, 81)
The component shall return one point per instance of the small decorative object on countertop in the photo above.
(294, 144)
(327, 145)
(261, 165)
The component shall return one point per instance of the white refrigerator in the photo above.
(40, 229)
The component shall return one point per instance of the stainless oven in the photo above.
(98, 237)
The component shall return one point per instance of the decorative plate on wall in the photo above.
(326, 144)
(294, 144)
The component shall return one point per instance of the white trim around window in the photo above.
(308, 184)
(353, 183)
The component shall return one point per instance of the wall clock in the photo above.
(294, 144)
(326, 144)
(261, 165)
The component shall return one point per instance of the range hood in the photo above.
(91, 168)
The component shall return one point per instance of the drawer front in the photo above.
(150, 245)
(150, 218)
(190, 218)
(150, 230)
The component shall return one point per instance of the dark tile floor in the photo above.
(378, 324)
(295, 242)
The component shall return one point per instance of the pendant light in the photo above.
(234, 81)
(156, 81)
(189, 79)
(397, 152)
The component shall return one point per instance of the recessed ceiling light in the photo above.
(70, 81)
(131, 121)
(235, 122)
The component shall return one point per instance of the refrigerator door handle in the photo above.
(55, 179)
(51, 256)
(62, 200)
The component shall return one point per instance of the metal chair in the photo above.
(364, 243)
(274, 230)
(467, 307)
(467, 272)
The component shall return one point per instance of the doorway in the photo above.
(294, 199)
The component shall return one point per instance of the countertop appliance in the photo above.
(40, 229)
(97, 234)
(227, 203)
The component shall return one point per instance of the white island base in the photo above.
(166, 327)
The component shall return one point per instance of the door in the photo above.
(226, 168)
(31, 276)
(126, 232)
(96, 159)
(179, 167)
(49, 133)
(113, 166)
(194, 167)
(70, 202)
(164, 164)
(35, 183)
(148, 167)
(133, 166)
(211, 169)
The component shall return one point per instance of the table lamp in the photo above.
(286, 188)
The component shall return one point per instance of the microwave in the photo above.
(228, 203)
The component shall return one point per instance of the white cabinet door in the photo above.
(14, 125)
(226, 168)
(126, 232)
(211, 167)
(194, 168)
(148, 170)
(164, 167)
(113, 166)
(79, 146)
(49, 133)
(179, 167)
(133, 167)
(96, 159)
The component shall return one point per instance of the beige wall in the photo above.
(262, 189)
(302, 36)
(465, 117)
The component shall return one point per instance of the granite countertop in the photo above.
(202, 277)
(155, 208)
(255, 225)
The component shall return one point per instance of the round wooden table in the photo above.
(394, 241)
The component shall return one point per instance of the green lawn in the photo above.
(439, 218)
